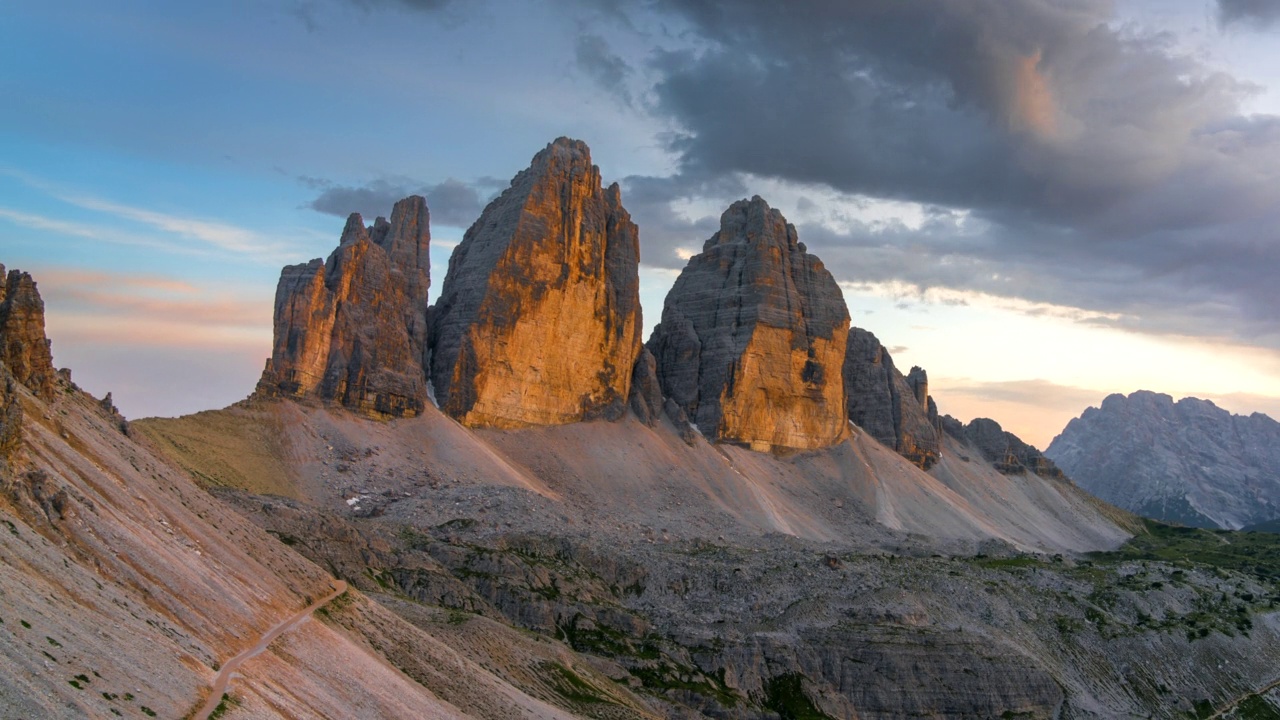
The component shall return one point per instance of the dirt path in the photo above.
(1235, 703)
(223, 678)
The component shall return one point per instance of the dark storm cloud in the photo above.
(451, 202)
(1100, 169)
(1259, 12)
(601, 64)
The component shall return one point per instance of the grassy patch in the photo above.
(1256, 707)
(224, 706)
(569, 685)
(1253, 553)
(784, 694)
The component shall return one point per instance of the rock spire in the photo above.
(352, 330)
(538, 321)
(753, 337)
(893, 409)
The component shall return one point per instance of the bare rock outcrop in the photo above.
(1006, 451)
(538, 321)
(24, 349)
(753, 334)
(893, 409)
(646, 393)
(352, 330)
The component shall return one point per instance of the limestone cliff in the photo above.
(893, 409)
(753, 337)
(538, 321)
(352, 330)
(24, 349)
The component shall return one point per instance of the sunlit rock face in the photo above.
(24, 349)
(352, 330)
(753, 335)
(894, 409)
(538, 321)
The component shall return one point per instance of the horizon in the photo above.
(1040, 206)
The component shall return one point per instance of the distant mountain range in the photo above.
(1189, 461)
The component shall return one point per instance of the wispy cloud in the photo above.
(223, 236)
(183, 234)
(93, 232)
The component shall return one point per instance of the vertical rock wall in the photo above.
(352, 330)
(538, 321)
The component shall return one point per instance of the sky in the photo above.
(1041, 202)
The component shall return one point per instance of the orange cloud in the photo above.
(1034, 108)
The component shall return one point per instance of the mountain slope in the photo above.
(1188, 462)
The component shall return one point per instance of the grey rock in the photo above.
(753, 335)
(1006, 451)
(352, 330)
(646, 394)
(1188, 461)
(893, 409)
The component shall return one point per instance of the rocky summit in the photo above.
(894, 409)
(752, 340)
(538, 321)
(1188, 461)
(352, 330)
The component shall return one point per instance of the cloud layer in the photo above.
(1056, 155)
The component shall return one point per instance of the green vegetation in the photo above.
(147, 711)
(224, 706)
(1256, 554)
(570, 686)
(1256, 707)
(784, 694)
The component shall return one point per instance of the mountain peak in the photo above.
(753, 334)
(538, 321)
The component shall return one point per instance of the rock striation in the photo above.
(1189, 461)
(24, 349)
(893, 409)
(538, 321)
(753, 336)
(352, 330)
(1006, 451)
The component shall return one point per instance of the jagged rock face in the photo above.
(646, 393)
(893, 409)
(538, 322)
(1189, 461)
(753, 334)
(1006, 451)
(10, 416)
(352, 330)
(24, 349)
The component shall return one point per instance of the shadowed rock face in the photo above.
(24, 350)
(753, 336)
(893, 409)
(538, 321)
(1006, 451)
(352, 330)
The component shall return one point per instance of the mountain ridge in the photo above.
(1187, 461)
